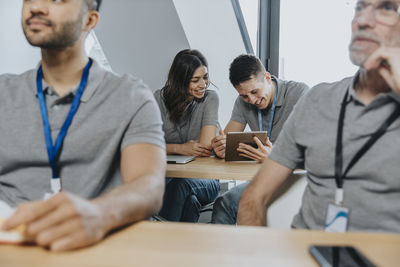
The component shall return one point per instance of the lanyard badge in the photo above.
(337, 218)
(337, 215)
(53, 151)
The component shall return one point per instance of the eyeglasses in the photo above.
(386, 12)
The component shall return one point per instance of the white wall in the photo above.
(211, 27)
(141, 37)
(16, 55)
(281, 212)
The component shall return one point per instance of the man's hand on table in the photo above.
(63, 222)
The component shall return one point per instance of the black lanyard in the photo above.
(339, 176)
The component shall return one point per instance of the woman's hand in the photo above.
(218, 144)
(195, 148)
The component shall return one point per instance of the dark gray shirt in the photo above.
(115, 112)
(372, 186)
(288, 94)
(200, 114)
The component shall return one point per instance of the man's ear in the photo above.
(91, 21)
(268, 76)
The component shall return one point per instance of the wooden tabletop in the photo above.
(214, 168)
(182, 244)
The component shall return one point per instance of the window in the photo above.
(250, 14)
(314, 39)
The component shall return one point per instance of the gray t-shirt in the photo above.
(199, 114)
(372, 186)
(115, 112)
(288, 94)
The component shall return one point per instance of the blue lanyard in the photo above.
(271, 119)
(53, 151)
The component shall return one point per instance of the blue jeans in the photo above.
(226, 206)
(184, 197)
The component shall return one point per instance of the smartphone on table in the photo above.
(339, 256)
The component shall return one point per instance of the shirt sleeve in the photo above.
(287, 150)
(146, 123)
(300, 89)
(238, 111)
(210, 116)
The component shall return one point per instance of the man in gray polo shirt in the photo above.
(110, 166)
(330, 126)
(264, 103)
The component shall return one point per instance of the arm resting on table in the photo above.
(254, 200)
(140, 196)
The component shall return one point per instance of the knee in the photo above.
(222, 202)
(192, 201)
(224, 211)
(178, 185)
(229, 197)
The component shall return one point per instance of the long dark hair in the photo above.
(176, 90)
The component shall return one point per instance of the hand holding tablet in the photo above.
(247, 146)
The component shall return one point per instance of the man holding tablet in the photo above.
(264, 103)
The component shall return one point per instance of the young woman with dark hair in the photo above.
(190, 116)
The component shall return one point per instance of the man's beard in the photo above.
(358, 53)
(67, 35)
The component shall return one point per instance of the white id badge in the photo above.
(337, 218)
(55, 184)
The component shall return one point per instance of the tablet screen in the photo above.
(234, 138)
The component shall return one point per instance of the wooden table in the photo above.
(179, 244)
(214, 168)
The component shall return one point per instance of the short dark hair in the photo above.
(243, 68)
(93, 4)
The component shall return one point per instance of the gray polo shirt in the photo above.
(115, 112)
(288, 94)
(372, 186)
(200, 113)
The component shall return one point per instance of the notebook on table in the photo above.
(179, 159)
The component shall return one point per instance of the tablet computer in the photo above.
(179, 159)
(234, 138)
